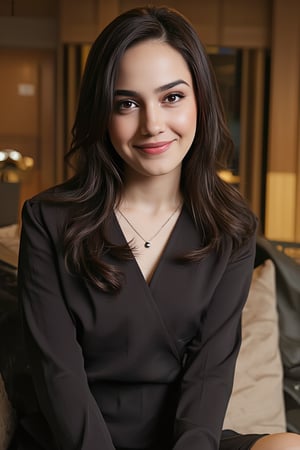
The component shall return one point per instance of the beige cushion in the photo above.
(257, 404)
(7, 418)
(9, 244)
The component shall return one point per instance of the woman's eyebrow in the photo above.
(165, 87)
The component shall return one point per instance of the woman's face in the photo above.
(153, 122)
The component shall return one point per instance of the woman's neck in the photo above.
(152, 194)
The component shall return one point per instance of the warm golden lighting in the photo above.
(13, 165)
(228, 176)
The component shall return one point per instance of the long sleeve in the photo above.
(54, 352)
(211, 356)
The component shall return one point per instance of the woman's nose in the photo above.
(152, 121)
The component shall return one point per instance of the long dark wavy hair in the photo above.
(216, 207)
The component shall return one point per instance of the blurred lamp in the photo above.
(13, 165)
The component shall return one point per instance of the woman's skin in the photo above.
(278, 441)
(154, 103)
(152, 128)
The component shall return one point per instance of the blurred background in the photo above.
(255, 50)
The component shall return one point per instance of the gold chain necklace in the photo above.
(147, 243)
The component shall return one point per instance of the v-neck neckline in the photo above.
(164, 253)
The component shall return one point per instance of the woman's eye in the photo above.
(125, 105)
(173, 98)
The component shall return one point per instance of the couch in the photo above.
(266, 391)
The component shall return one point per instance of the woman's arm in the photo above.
(55, 355)
(209, 369)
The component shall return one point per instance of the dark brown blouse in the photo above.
(151, 367)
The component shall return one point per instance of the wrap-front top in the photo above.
(150, 367)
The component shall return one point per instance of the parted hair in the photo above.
(216, 207)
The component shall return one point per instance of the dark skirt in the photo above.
(230, 440)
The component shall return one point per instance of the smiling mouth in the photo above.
(154, 148)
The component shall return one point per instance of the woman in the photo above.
(133, 273)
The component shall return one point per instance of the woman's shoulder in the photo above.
(46, 207)
(246, 248)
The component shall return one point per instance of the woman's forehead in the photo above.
(151, 62)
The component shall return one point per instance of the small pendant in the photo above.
(147, 244)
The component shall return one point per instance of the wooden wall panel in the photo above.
(297, 231)
(219, 22)
(47, 127)
(251, 156)
(283, 154)
(285, 85)
(6, 8)
(281, 206)
(28, 32)
(81, 22)
(19, 81)
(204, 15)
(246, 24)
(35, 8)
(29, 8)
(78, 20)
(27, 122)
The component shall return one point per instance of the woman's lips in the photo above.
(154, 148)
